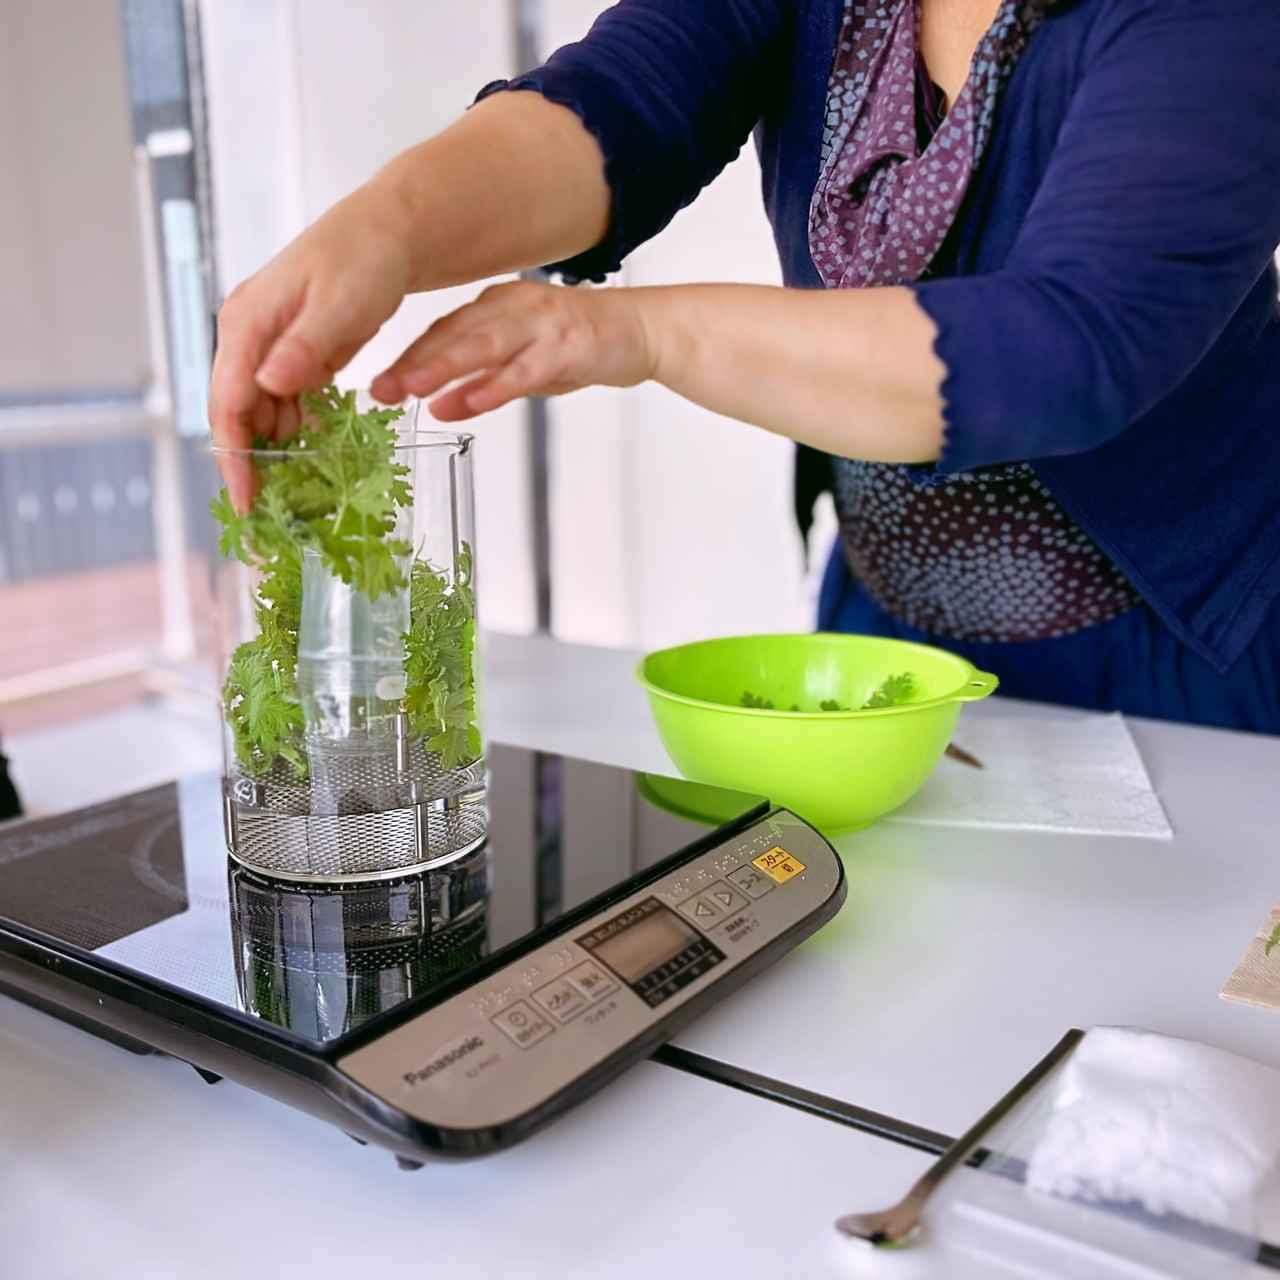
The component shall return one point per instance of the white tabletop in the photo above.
(120, 1166)
(957, 962)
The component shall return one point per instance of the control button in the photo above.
(591, 980)
(560, 1000)
(779, 864)
(726, 899)
(754, 883)
(701, 910)
(523, 1024)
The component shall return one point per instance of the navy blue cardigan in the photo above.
(1109, 310)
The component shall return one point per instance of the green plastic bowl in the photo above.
(841, 770)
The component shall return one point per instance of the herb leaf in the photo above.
(892, 693)
(1272, 942)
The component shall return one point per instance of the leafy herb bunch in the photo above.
(336, 487)
(893, 692)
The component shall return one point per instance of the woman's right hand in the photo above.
(438, 214)
(291, 326)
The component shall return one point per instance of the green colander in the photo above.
(839, 769)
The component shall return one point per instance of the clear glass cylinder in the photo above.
(347, 617)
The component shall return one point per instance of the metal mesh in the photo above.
(357, 816)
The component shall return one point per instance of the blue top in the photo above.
(1109, 311)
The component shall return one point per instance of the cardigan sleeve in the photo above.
(671, 90)
(1159, 211)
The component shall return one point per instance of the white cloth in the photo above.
(1070, 773)
(1177, 1126)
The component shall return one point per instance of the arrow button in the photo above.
(701, 910)
(726, 898)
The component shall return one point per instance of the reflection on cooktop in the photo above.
(319, 961)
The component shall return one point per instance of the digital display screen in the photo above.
(640, 940)
(652, 950)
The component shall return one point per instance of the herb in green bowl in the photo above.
(895, 691)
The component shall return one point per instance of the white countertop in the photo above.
(957, 962)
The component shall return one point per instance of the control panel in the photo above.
(524, 1034)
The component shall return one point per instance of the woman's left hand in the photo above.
(521, 339)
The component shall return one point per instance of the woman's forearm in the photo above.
(851, 372)
(516, 182)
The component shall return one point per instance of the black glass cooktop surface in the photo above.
(144, 883)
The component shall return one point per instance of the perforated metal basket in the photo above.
(394, 815)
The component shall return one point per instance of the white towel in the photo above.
(1176, 1126)
(1072, 773)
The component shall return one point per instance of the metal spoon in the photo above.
(898, 1225)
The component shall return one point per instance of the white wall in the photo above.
(72, 313)
(671, 522)
(306, 99)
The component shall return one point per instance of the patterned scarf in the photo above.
(882, 208)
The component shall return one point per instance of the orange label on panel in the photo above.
(778, 864)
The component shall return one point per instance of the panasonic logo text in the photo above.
(443, 1060)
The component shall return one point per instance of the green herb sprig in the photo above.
(440, 696)
(892, 693)
(337, 488)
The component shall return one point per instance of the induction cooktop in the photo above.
(447, 1013)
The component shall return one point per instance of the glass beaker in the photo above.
(347, 614)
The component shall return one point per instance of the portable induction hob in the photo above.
(450, 1013)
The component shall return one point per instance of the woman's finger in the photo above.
(528, 372)
(412, 373)
(389, 387)
(328, 329)
(234, 399)
(453, 405)
(406, 376)
(288, 417)
(479, 348)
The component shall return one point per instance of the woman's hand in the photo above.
(522, 339)
(439, 214)
(291, 326)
